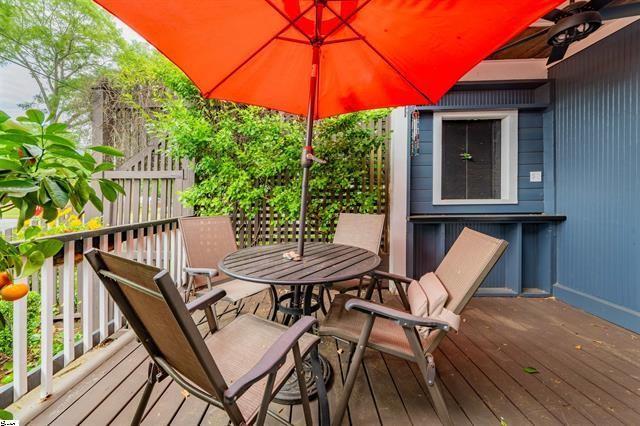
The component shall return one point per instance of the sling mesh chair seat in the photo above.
(238, 368)
(412, 326)
(207, 241)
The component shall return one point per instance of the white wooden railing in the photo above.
(68, 285)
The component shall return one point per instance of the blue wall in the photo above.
(597, 137)
(530, 101)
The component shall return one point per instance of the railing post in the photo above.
(68, 286)
(20, 385)
(87, 302)
(103, 297)
(46, 328)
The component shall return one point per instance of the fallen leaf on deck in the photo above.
(578, 347)
(530, 370)
(184, 393)
(340, 350)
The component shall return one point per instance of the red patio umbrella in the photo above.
(326, 57)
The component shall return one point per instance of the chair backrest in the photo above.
(207, 240)
(150, 302)
(360, 230)
(467, 264)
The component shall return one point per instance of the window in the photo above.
(475, 157)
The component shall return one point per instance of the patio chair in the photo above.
(363, 231)
(207, 240)
(238, 368)
(412, 327)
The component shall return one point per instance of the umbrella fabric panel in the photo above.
(373, 53)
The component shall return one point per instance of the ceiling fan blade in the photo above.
(597, 4)
(557, 53)
(555, 15)
(623, 11)
(522, 40)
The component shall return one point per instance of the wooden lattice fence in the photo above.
(153, 180)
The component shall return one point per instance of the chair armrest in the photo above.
(392, 277)
(206, 300)
(405, 319)
(272, 360)
(211, 272)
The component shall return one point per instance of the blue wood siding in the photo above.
(531, 124)
(597, 137)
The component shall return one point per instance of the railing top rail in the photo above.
(81, 235)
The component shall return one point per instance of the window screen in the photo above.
(471, 159)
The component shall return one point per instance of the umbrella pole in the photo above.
(307, 151)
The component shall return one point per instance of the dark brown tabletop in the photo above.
(322, 263)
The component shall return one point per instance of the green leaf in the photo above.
(5, 415)
(530, 370)
(3, 117)
(6, 164)
(107, 190)
(56, 193)
(60, 140)
(35, 116)
(49, 213)
(96, 201)
(15, 186)
(32, 232)
(56, 128)
(102, 167)
(50, 247)
(18, 138)
(37, 257)
(34, 150)
(108, 150)
(83, 190)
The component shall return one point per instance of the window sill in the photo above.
(473, 202)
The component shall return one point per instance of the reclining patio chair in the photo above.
(207, 240)
(429, 308)
(363, 231)
(238, 368)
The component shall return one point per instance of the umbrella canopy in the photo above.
(326, 57)
(373, 53)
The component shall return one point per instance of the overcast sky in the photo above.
(17, 86)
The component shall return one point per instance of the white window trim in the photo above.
(508, 154)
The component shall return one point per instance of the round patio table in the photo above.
(323, 263)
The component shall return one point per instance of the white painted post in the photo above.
(19, 348)
(87, 301)
(179, 257)
(68, 284)
(398, 191)
(103, 297)
(47, 293)
(159, 246)
(150, 245)
(117, 315)
(173, 266)
(165, 246)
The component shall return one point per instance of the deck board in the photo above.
(588, 373)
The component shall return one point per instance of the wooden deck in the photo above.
(588, 372)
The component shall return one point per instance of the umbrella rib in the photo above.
(345, 19)
(377, 52)
(260, 49)
(291, 22)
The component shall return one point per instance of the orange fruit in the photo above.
(13, 292)
(5, 278)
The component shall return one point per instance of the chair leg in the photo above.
(323, 402)
(321, 293)
(274, 303)
(146, 394)
(428, 370)
(379, 286)
(353, 371)
(189, 287)
(302, 384)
